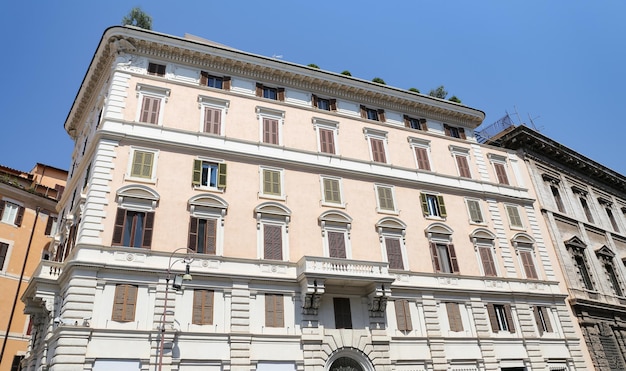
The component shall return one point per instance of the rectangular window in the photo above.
(463, 166)
(270, 131)
(51, 226)
(454, 317)
(156, 69)
(336, 244)
(378, 150)
(394, 252)
(4, 252)
(274, 310)
(142, 164)
(500, 317)
(454, 132)
(343, 316)
(385, 198)
(150, 107)
(272, 242)
(209, 174)
(124, 303)
(272, 181)
(528, 263)
(515, 221)
(586, 209)
(475, 213)
(324, 103)
(332, 190)
(270, 92)
(202, 311)
(557, 198)
(486, 257)
(542, 319)
(372, 114)
(584, 272)
(501, 173)
(133, 228)
(610, 271)
(609, 213)
(327, 140)
(212, 120)
(444, 257)
(217, 82)
(415, 123)
(403, 315)
(433, 205)
(203, 235)
(421, 156)
(11, 213)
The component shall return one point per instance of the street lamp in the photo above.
(176, 284)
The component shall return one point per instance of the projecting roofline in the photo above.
(197, 52)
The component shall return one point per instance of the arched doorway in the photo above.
(348, 359)
(346, 364)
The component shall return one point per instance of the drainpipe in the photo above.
(19, 284)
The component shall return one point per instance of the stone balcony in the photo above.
(343, 271)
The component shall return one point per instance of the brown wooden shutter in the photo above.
(454, 317)
(488, 263)
(281, 94)
(2, 203)
(274, 310)
(147, 230)
(270, 131)
(424, 202)
(211, 236)
(48, 226)
(259, 89)
(378, 150)
(423, 124)
(150, 110)
(314, 100)
(193, 234)
(343, 315)
(273, 242)
(421, 154)
(333, 104)
(463, 165)
(118, 303)
(118, 229)
(124, 303)
(538, 322)
(446, 130)
(196, 311)
(509, 317)
(4, 249)
(453, 261)
(202, 311)
(529, 265)
(435, 255)
(501, 174)
(336, 244)
(327, 141)
(20, 216)
(363, 112)
(546, 319)
(226, 83)
(394, 253)
(403, 315)
(493, 318)
(462, 133)
(212, 120)
(407, 121)
(204, 78)
(269, 310)
(381, 115)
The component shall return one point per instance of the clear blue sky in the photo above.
(561, 63)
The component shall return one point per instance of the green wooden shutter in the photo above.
(424, 202)
(196, 178)
(442, 207)
(221, 175)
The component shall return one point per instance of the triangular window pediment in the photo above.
(575, 243)
(605, 252)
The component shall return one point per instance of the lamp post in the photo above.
(177, 285)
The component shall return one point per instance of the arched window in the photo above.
(391, 232)
(441, 248)
(273, 228)
(206, 224)
(134, 220)
(336, 227)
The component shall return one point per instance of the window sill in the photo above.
(208, 189)
(273, 197)
(434, 217)
(139, 180)
(388, 212)
(333, 204)
(7, 223)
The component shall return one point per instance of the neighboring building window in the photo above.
(609, 212)
(124, 303)
(4, 253)
(515, 220)
(271, 182)
(209, 174)
(142, 164)
(202, 311)
(336, 227)
(586, 209)
(433, 205)
(373, 114)
(377, 141)
(274, 310)
(421, 149)
(403, 315)
(454, 132)
(385, 198)
(12, 213)
(542, 319)
(51, 226)
(326, 135)
(156, 69)
(272, 222)
(206, 224)
(272, 93)
(454, 317)
(217, 82)
(610, 271)
(500, 317)
(557, 198)
(391, 232)
(152, 99)
(325, 104)
(133, 228)
(415, 123)
(343, 315)
(331, 191)
(577, 248)
(270, 122)
(474, 210)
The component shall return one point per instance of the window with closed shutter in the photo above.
(501, 173)
(336, 244)
(515, 219)
(150, 107)
(273, 242)
(378, 150)
(403, 315)
(212, 120)
(274, 310)
(454, 317)
(343, 315)
(202, 311)
(528, 264)
(332, 191)
(327, 141)
(124, 303)
(463, 166)
(385, 198)
(421, 155)
(270, 131)
(394, 252)
(142, 164)
(486, 257)
(272, 182)
(476, 215)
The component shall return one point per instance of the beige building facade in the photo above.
(327, 222)
(28, 221)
